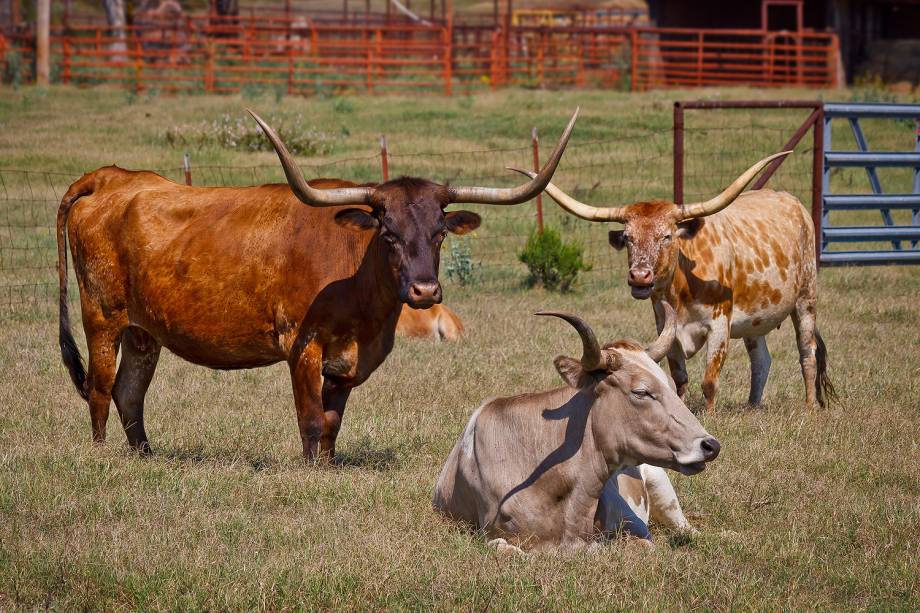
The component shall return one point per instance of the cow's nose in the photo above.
(640, 276)
(711, 448)
(424, 293)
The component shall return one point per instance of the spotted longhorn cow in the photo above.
(534, 471)
(729, 271)
(234, 278)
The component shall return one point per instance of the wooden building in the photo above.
(876, 36)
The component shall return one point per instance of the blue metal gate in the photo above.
(903, 238)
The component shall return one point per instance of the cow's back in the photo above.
(757, 255)
(219, 275)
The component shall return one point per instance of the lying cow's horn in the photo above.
(576, 208)
(521, 193)
(702, 209)
(659, 349)
(591, 358)
(309, 195)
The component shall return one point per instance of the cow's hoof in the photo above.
(504, 548)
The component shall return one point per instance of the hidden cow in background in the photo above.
(438, 323)
(734, 272)
(235, 278)
(531, 470)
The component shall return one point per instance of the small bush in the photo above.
(12, 68)
(242, 133)
(458, 263)
(552, 262)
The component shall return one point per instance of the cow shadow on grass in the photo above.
(364, 456)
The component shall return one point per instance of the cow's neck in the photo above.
(379, 297)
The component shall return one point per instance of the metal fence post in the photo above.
(817, 183)
(678, 153)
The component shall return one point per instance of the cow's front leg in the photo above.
(678, 368)
(335, 395)
(307, 380)
(716, 348)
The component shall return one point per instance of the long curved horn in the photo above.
(521, 193)
(660, 347)
(576, 208)
(702, 209)
(309, 195)
(591, 358)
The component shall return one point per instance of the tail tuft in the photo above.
(824, 391)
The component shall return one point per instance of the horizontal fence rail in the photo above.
(303, 55)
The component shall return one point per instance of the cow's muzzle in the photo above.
(422, 295)
(641, 281)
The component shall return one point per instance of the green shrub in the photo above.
(234, 131)
(458, 263)
(552, 262)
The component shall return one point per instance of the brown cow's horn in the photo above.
(702, 209)
(521, 193)
(591, 358)
(662, 345)
(576, 208)
(309, 195)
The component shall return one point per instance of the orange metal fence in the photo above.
(300, 56)
(673, 57)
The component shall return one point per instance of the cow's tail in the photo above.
(450, 328)
(824, 389)
(69, 351)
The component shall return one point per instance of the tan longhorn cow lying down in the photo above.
(735, 272)
(530, 470)
(438, 323)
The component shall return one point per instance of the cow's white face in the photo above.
(650, 236)
(640, 418)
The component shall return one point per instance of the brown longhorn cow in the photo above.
(235, 278)
(734, 272)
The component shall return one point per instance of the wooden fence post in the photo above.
(448, 37)
(384, 161)
(536, 168)
(187, 167)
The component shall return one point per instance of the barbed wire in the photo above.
(634, 166)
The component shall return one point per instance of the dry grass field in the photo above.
(803, 510)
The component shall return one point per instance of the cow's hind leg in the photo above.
(803, 318)
(102, 342)
(139, 355)
(760, 366)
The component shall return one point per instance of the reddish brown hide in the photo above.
(237, 278)
(438, 323)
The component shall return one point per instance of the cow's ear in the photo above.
(689, 228)
(572, 372)
(356, 219)
(462, 222)
(617, 239)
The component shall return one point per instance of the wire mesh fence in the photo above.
(636, 165)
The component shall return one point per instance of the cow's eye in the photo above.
(390, 238)
(642, 393)
(667, 238)
(439, 236)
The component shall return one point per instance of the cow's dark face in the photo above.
(650, 236)
(409, 217)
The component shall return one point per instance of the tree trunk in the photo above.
(115, 14)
